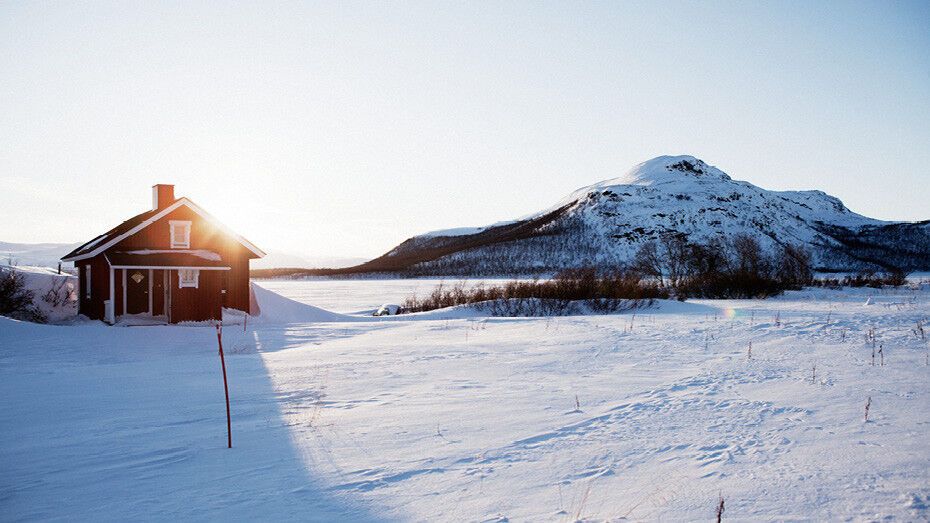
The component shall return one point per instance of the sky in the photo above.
(343, 128)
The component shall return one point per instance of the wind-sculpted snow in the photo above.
(605, 223)
(456, 417)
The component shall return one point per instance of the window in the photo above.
(87, 281)
(180, 234)
(188, 278)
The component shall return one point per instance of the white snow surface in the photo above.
(277, 309)
(455, 417)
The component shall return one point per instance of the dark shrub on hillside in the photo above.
(16, 301)
(733, 268)
(794, 266)
(893, 278)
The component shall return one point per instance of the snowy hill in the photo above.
(605, 223)
(36, 254)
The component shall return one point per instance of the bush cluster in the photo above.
(16, 301)
(567, 292)
(737, 267)
(893, 278)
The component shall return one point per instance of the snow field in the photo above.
(443, 418)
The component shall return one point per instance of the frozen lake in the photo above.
(362, 294)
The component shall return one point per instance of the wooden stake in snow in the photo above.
(749, 352)
(881, 352)
(720, 508)
(219, 341)
(868, 404)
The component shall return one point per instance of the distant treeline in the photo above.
(566, 293)
(673, 267)
(736, 267)
(295, 273)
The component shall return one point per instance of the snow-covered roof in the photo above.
(179, 258)
(143, 220)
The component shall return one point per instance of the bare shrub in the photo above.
(60, 292)
(571, 291)
(794, 266)
(737, 267)
(893, 278)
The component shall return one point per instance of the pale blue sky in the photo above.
(343, 128)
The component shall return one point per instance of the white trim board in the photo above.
(161, 214)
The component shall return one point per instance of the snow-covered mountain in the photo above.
(605, 223)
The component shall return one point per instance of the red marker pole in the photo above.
(219, 340)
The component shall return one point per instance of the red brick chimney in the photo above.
(162, 196)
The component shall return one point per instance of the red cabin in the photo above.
(172, 263)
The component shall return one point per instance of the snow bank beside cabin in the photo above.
(274, 308)
(54, 295)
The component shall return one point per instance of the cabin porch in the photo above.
(143, 293)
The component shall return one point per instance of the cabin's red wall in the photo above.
(237, 282)
(100, 286)
(188, 304)
(119, 307)
(158, 292)
(197, 304)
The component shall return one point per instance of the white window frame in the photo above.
(176, 242)
(188, 278)
(87, 273)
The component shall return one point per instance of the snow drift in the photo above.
(275, 308)
(54, 295)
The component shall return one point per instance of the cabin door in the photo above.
(138, 288)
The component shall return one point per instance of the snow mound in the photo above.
(275, 308)
(54, 295)
(683, 307)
